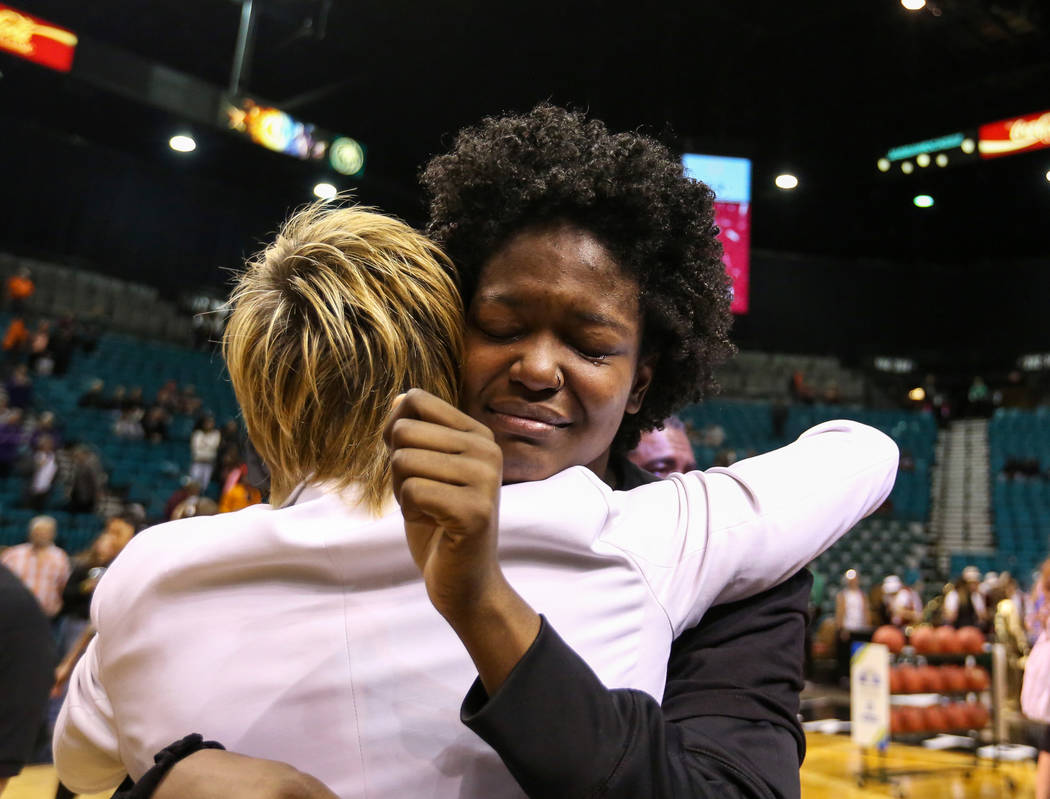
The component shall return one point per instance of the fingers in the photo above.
(423, 406)
(455, 508)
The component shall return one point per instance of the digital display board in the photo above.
(276, 130)
(1017, 135)
(730, 179)
(35, 40)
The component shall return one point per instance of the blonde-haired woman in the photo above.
(1035, 690)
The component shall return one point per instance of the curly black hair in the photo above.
(552, 165)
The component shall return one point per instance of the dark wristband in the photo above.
(164, 760)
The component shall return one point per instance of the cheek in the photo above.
(604, 394)
(481, 365)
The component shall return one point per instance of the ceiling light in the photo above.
(942, 160)
(917, 394)
(967, 146)
(907, 167)
(786, 181)
(883, 165)
(1048, 175)
(182, 143)
(913, 5)
(923, 159)
(326, 191)
(923, 201)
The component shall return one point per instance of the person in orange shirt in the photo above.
(16, 338)
(20, 288)
(238, 494)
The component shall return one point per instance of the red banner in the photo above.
(1018, 135)
(36, 40)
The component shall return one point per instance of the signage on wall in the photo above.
(36, 40)
(1017, 135)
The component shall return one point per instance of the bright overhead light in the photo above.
(1048, 175)
(942, 160)
(182, 143)
(326, 191)
(968, 146)
(923, 159)
(923, 201)
(913, 5)
(883, 165)
(907, 167)
(917, 394)
(786, 181)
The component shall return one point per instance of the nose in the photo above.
(537, 367)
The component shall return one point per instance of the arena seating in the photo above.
(144, 471)
(762, 375)
(1021, 506)
(895, 540)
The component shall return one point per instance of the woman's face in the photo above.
(553, 352)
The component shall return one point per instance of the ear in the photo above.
(643, 377)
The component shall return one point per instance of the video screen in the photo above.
(730, 179)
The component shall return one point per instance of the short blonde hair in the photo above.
(345, 310)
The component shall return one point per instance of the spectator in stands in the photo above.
(87, 570)
(116, 399)
(63, 341)
(963, 605)
(979, 397)
(46, 426)
(799, 390)
(12, 438)
(204, 448)
(832, 396)
(189, 402)
(19, 388)
(1039, 604)
(42, 478)
(907, 606)
(5, 410)
(134, 400)
(155, 424)
(86, 481)
(16, 339)
(39, 346)
(19, 290)
(714, 435)
(128, 423)
(25, 673)
(168, 397)
(238, 493)
(43, 567)
(195, 506)
(93, 397)
(190, 489)
(725, 457)
(852, 617)
(891, 586)
(665, 451)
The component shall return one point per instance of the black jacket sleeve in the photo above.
(728, 727)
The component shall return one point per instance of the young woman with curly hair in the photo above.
(597, 305)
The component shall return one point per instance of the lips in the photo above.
(524, 418)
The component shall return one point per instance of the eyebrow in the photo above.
(584, 316)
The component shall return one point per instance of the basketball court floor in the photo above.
(830, 772)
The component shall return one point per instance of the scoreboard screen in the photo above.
(730, 179)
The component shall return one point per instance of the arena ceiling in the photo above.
(821, 88)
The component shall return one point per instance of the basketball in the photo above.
(978, 715)
(891, 637)
(958, 716)
(971, 640)
(911, 719)
(947, 640)
(930, 679)
(934, 718)
(910, 679)
(955, 679)
(977, 679)
(923, 640)
(896, 685)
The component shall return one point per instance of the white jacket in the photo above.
(304, 633)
